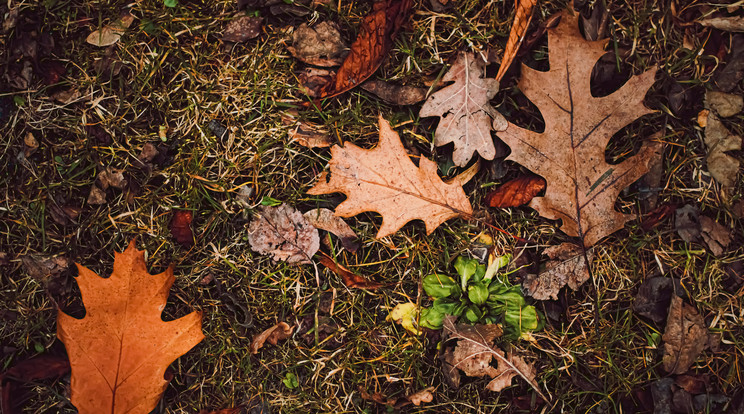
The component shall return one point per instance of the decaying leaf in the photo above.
(319, 45)
(273, 335)
(466, 115)
(397, 403)
(111, 177)
(236, 410)
(180, 227)
(473, 354)
(120, 350)
(566, 267)
(654, 297)
(311, 135)
(285, 234)
(570, 154)
(324, 219)
(718, 140)
(687, 223)
(385, 180)
(351, 279)
(395, 94)
(375, 39)
(716, 236)
(42, 268)
(516, 192)
(685, 337)
(242, 28)
(729, 24)
(422, 396)
(110, 34)
(96, 196)
(724, 104)
(41, 367)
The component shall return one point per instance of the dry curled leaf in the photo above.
(473, 354)
(273, 335)
(120, 350)
(466, 115)
(283, 233)
(716, 236)
(350, 279)
(111, 33)
(570, 154)
(319, 45)
(687, 223)
(723, 167)
(728, 24)
(311, 135)
(180, 227)
(44, 267)
(685, 337)
(375, 39)
(395, 94)
(385, 180)
(566, 267)
(324, 219)
(522, 18)
(516, 192)
(242, 28)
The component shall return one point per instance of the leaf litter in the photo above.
(283, 233)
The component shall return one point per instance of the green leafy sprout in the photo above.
(479, 297)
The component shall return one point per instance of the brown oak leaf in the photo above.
(466, 115)
(385, 180)
(567, 266)
(473, 354)
(570, 154)
(285, 234)
(120, 350)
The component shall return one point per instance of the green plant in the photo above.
(479, 297)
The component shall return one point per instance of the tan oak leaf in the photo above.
(466, 115)
(570, 154)
(385, 180)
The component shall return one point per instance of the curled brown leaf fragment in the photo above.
(283, 233)
(350, 279)
(685, 337)
(311, 135)
(180, 227)
(273, 335)
(324, 219)
(522, 19)
(395, 94)
(111, 33)
(516, 192)
(567, 266)
(242, 28)
(319, 45)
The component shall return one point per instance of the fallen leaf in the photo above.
(242, 28)
(273, 335)
(473, 354)
(522, 18)
(376, 36)
(422, 396)
(692, 383)
(148, 153)
(120, 350)
(406, 315)
(283, 233)
(223, 411)
(728, 24)
(313, 80)
(654, 296)
(40, 367)
(516, 192)
(395, 94)
(715, 236)
(111, 177)
(96, 196)
(385, 180)
(567, 267)
(63, 215)
(724, 104)
(44, 267)
(323, 219)
(30, 144)
(685, 337)
(319, 45)
(718, 140)
(650, 184)
(595, 26)
(311, 135)
(687, 223)
(350, 279)
(466, 114)
(728, 77)
(570, 153)
(180, 227)
(111, 33)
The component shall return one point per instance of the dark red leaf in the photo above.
(180, 227)
(652, 218)
(351, 280)
(516, 192)
(37, 368)
(375, 39)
